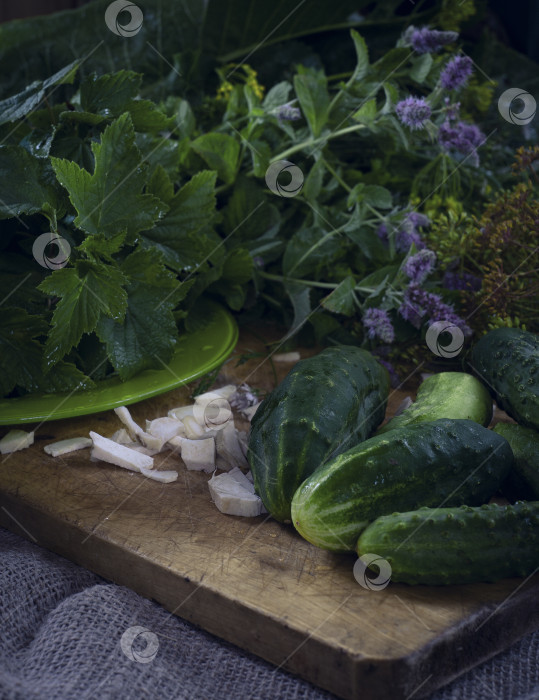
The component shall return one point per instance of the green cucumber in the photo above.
(446, 395)
(444, 546)
(444, 462)
(523, 479)
(507, 361)
(325, 404)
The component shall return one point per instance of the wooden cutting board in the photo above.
(253, 581)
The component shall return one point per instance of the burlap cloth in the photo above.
(60, 638)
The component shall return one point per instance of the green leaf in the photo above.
(341, 299)
(310, 250)
(28, 185)
(21, 357)
(221, 152)
(421, 67)
(147, 335)
(277, 96)
(362, 53)
(97, 247)
(18, 106)
(313, 96)
(300, 296)
(393, 61)
(87, 292)
(378, 196)
(160, 185)
(109, 93)
(313, 182)
(238, 266)
(110, 200)
(367, 113)
(180, 235)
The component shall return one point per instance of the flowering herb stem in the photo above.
(313, 142)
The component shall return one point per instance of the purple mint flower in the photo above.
(452, 110)
(409, 234)
(417, 220)
(456, 72)
(413, 112)
(258, 261)
(378, 325)
(381, 232)
(461, 280)
(425, 40)
(462, 137)
(419, 303)
(420, 265)
(288, 113)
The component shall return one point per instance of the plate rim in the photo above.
(226, 351)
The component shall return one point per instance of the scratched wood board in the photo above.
(253, 581)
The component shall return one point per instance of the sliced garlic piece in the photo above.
(121, 456)
(181, 412)
(240, 477)
(165, 428)
(250, 411)
(133, 428)
(198, 455)
(165, 477)
(193, 428)
(121, 436)
(16, 440)
(63, 447)
(224, 392)
(228, 446)
(232, 498)
(287, 357)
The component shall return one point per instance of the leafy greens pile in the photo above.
(164, 204)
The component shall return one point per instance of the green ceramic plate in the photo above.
(203, 349)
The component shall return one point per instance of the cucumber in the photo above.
(507, 361)
(325, 404)
(523, 479)
(444, 462)
(456, 545)
(446, 395)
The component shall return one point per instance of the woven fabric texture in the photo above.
(62, 637)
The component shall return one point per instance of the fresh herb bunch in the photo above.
(163, 205)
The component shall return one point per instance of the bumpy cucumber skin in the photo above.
(448, 546)
(446, 395)
(325, 405)
(524, 477)
(507, 360)
(442, 463)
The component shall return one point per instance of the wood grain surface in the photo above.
(253, 581)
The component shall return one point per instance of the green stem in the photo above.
(310, 283)
(341, 182)
(320, 139)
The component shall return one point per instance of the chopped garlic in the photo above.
(142, 449)
(16, 440)
(287, 357)
(121, 456)
(123, 414)
(181, 412)
(164, 477)
(228, 446)
(243, 440)
(63, 447)
(121, 436)
(192, 427)
(250, 411)
(176, 441)
(165, 428)
(198, 455)
(212, 414)
(240, 477)
(232, 498)
(225, 392)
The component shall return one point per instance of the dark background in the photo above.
(515, 21)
